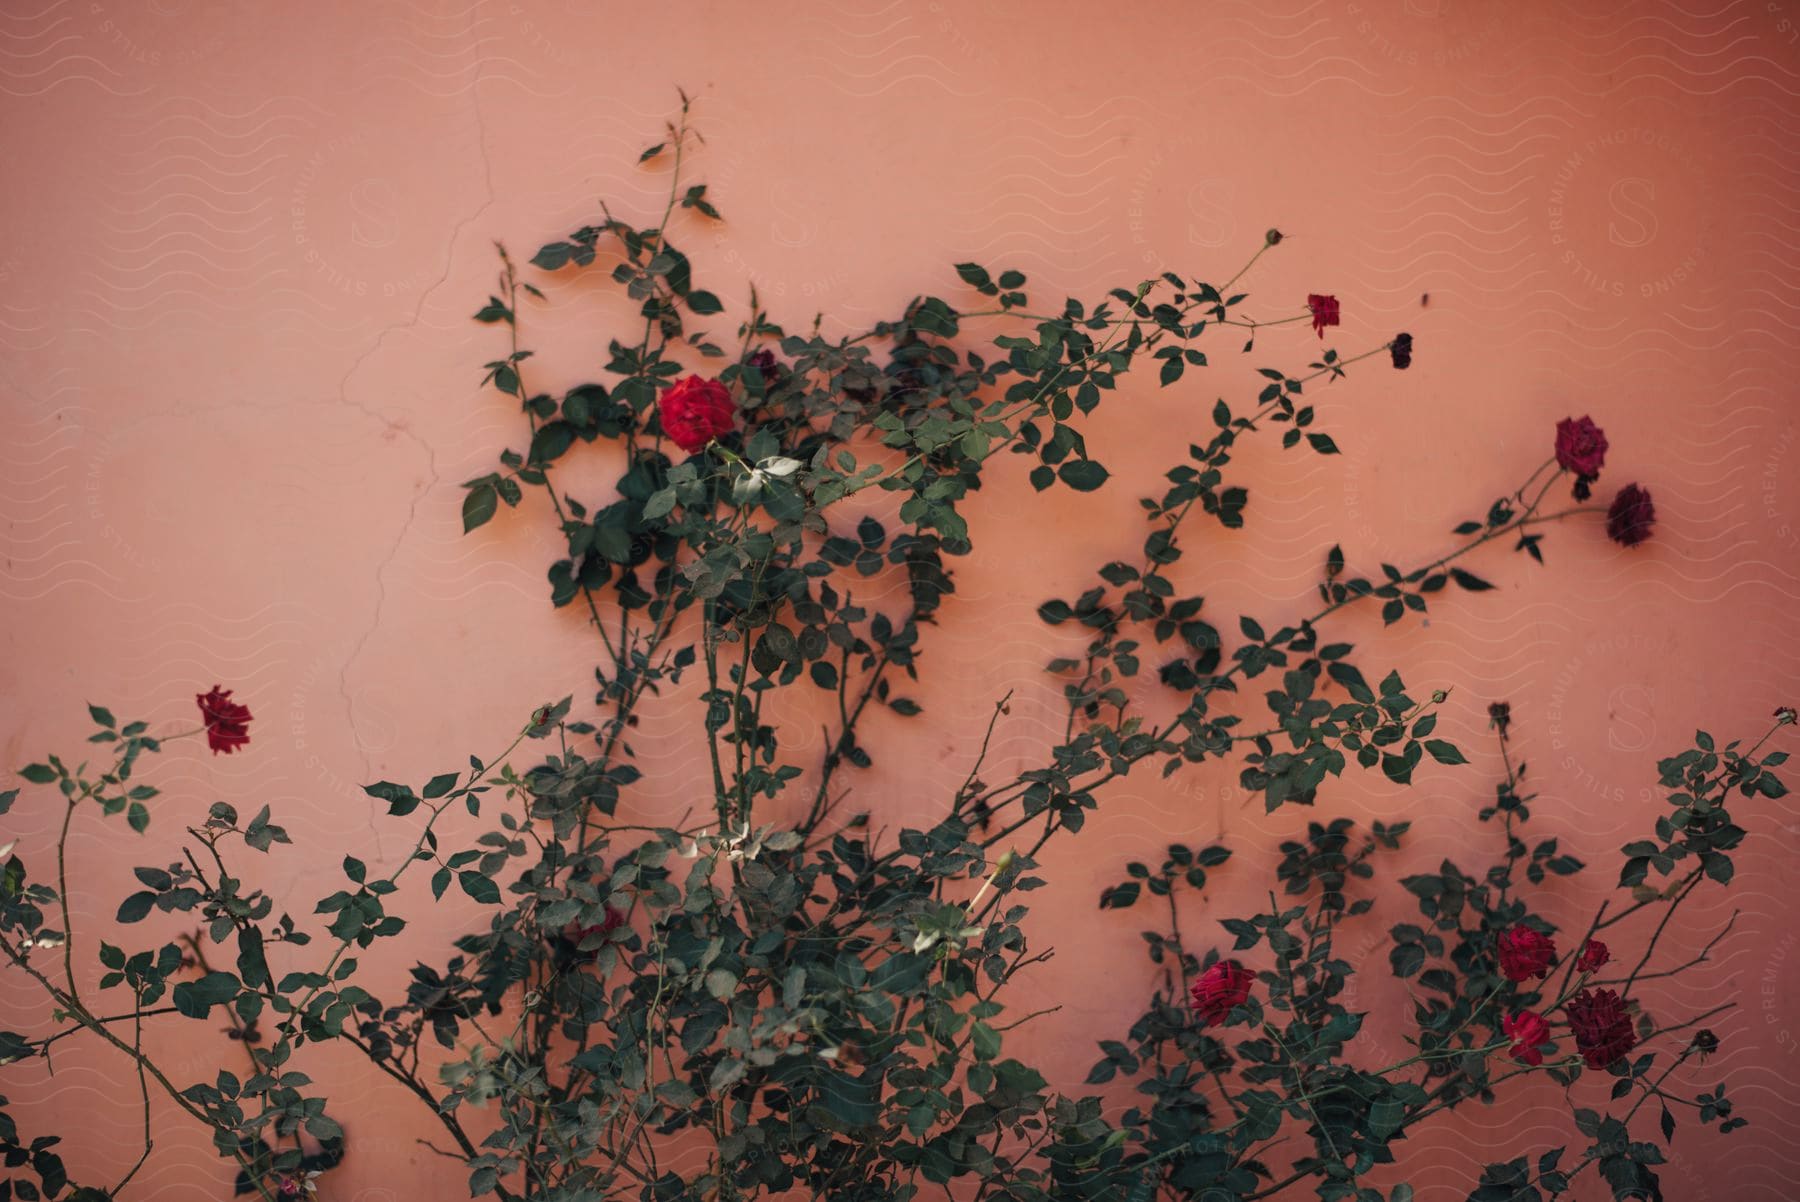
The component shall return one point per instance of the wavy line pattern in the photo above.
(240, 388)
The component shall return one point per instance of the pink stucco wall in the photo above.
(240, 244)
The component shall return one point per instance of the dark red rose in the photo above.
(1401, 349)
(1705, 1042)
(226, 721)
(1785, 715)
(695, 412)
(575, 933)
(1580, 447)
(1601, 1026)
(1525, 953)
(764, 361)
(1592, 956)
(1528, 1032)
(1629, 520)
(1324, 312)
(1224, 985)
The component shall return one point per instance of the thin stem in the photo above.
(62, 901)
(137, 1048)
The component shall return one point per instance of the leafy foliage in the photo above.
(809, 1005)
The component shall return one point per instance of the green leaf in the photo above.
(439, 785)
(1083, 475)
(703, 302)
(101, 715)
(974, 275)
(321, 1127)
(38, 774)
(196, 998)
(480, 505)
(1386, 1116)
(251, 964)
(850, 1101)
(478, 886)
(154, 878)
(135, 907)
(552, 255)
(400, 799)
(1444, 752)
(547, 445)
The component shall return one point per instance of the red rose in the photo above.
(1225, 985)
(1525, 953)
(1601, 1026)
(1529, 1032)
(695, 412)
(1592, 956)
(1324, 312)
(1629, 520)
(1580, 447)
(225, 719)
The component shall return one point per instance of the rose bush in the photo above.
(801, 1006)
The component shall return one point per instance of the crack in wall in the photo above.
(433, 477)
